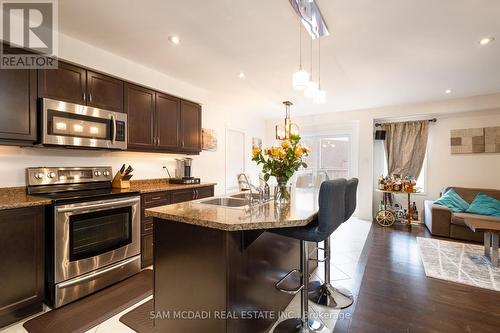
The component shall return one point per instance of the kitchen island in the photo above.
(216, 266)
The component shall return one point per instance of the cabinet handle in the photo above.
(158, 141)
(156, 198)
(84, 96)
(90, 98)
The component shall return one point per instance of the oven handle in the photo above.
(97, 273)
(110, 204)
(113, 123)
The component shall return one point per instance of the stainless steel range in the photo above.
(93, 231)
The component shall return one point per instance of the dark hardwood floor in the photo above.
(394, 295)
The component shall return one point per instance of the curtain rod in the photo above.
(433, 120)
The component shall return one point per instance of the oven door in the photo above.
(91, 235)
(68, 124)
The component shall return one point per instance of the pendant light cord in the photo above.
(300, 46)
(319, 63)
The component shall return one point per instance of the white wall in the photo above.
(216, 115)
(472, 171)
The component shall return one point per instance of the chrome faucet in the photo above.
(243, 179)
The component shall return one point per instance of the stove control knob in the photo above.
(106, 173)
(39, 175)
(97, 173)
(51, 175)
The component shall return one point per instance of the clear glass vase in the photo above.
(282, 193)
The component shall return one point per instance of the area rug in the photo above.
(458, 262)
(92, 310)
(139, 319)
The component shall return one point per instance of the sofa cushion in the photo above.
(457, 220)
(469, 194)
(484, 205)
(453, 201)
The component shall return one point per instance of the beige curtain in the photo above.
(405, 146)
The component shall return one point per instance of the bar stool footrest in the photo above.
(284, 278)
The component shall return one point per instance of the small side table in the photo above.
(386, 217)
(490, 226)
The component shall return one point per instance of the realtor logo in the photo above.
(29, 34)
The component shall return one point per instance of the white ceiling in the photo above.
(379, 53)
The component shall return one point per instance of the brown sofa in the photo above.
(442, 222)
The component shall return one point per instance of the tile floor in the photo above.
(347, 245)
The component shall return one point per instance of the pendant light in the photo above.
(300, 78)
(320, 95)
(290, 129)
(312, 87)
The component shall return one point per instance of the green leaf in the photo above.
(266, 177)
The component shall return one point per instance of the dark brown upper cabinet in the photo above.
(67, 83)
(140, 108)
(190, 127)
(104, 92)
(167, 121)
(17, 106)
(74, 84)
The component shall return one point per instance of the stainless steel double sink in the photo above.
(239, 200)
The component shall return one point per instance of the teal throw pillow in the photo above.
(484, 205)
(453, 201)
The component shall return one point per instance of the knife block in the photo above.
(118, 182)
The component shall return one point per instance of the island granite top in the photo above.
(302, 210)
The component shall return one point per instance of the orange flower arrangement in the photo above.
(283, 161)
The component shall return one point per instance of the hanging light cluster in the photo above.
(290, 129)
(301, 79)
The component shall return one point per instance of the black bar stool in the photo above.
(324, 293)
(330, 216)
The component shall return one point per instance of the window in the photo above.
(422, 178)
(330, 159)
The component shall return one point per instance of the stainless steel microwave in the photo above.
(74, 125)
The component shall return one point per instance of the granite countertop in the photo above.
(16, 197)
(302, 210)
(161, 185)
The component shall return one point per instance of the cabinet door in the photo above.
(167, 122)
(21, 263)
(104, 92)
(140, 108)
(205, 192)
(66, 83)
(147, 250)
(18, 105)
(183, 195)
(190, 127)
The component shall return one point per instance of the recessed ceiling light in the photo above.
(174, 39)
(448, 91)
(486, 40)
(241, 75)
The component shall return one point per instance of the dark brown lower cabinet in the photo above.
(21, 263)
(157, 199)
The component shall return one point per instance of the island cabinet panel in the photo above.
(67, 83)
(190, 127)
(167, 122)
(104, 92)
(140, 108)
(18, 106)
(224, 274)
(21, 263)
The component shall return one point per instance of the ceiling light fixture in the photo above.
(241, 75)
(486, 40)
(290, 129)
(312, 87)
(300, 78)
(174, 39)
(448, 91)
(320, 96)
